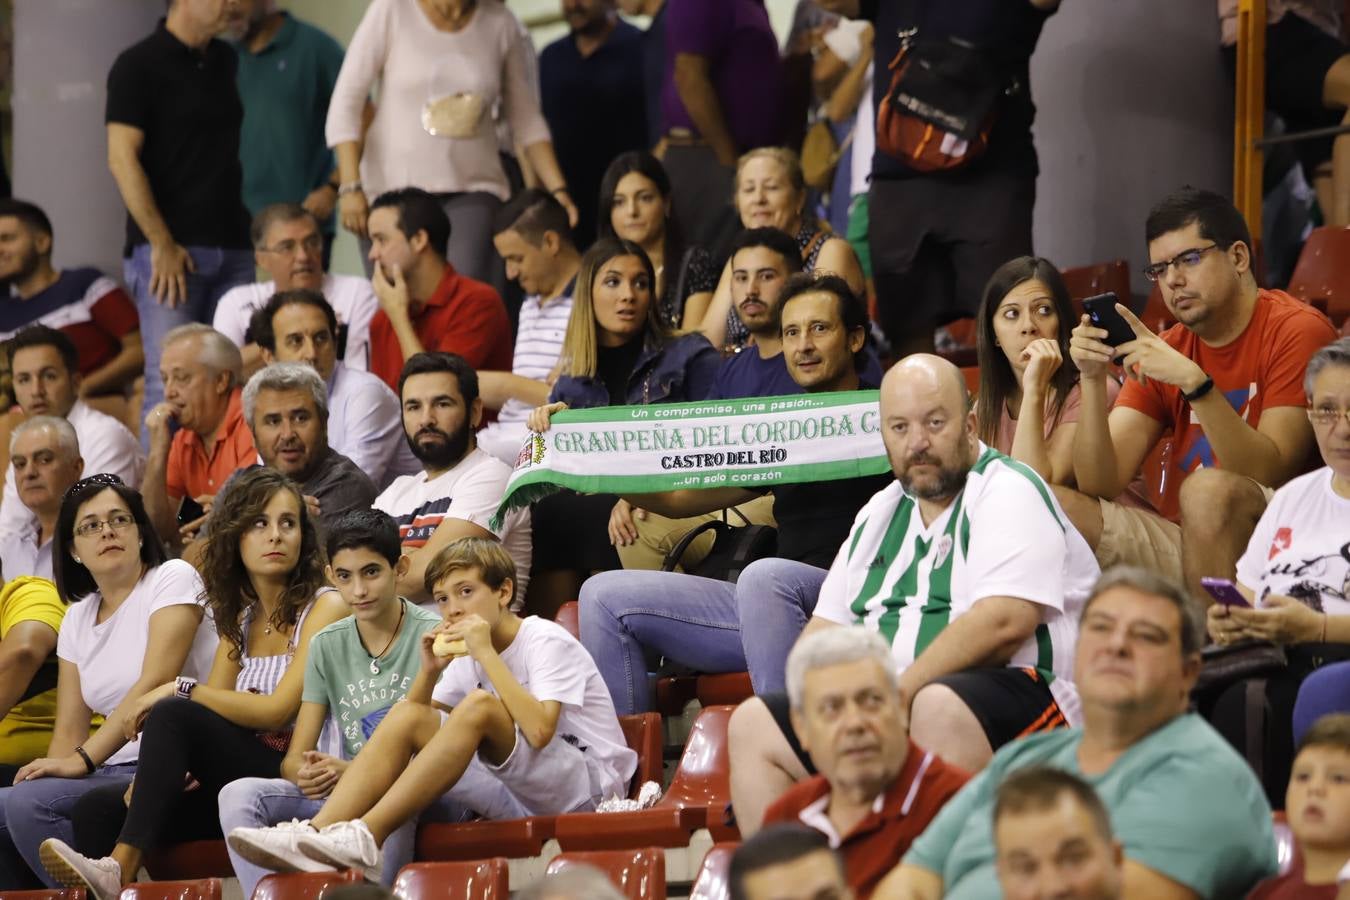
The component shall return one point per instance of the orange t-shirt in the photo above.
(191, 471)
(1261, 370)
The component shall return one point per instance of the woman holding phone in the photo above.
(1296, 577)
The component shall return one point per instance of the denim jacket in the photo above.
(683, 368)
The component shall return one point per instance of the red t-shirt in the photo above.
(877, 843)
(1291, 886)
(1261, 370)
(462, 316)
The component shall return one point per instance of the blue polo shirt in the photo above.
(285, 88)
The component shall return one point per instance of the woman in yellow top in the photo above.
(30, 617)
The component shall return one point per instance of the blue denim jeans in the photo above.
(38, 809)
(629, 617)
(218, 270)
(259, 802)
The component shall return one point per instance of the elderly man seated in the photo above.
(877, 790)
(45, 454)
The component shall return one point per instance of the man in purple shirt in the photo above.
(722, 95)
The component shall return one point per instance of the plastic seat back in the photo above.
(1322, 275)
(712, 883)
(197, 889)
(45, 894)
(569, 617)
(703, 777)
(487, 879)
(642, 733)
(1098, 278)
(638, 874)
(302, 885)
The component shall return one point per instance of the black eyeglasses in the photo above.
(1186, 259)
(104, 479)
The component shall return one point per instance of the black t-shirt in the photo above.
(1008, 29)
(814, 517)
(614, 367)
(186, 103)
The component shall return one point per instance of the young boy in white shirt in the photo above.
(511, 719)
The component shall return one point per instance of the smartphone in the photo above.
(1224, 591)
(1101, 309)
(189, 511)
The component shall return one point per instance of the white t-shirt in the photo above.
(539, 340)
(353, 301)
(110, 655)
(552, 665)
(365, 424)
(471, 491)
(1301, 546)
(1003, 536)
(105, 445)
(21, 554)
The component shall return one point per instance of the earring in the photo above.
(79, 561)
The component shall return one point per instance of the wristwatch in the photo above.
(182, 687)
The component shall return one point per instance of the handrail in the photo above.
(1249, 111)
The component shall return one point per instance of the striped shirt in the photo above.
(1004, 535)
(539, 340)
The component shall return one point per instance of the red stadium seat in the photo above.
(303, 885)
(189, 860)
(639, 874)
(45, 894)
(525, 838)
(568, 617)
(199, 889)
(1156, 316)
(642, 732)
(1322, 275)
(712, 883)
(487, 879)
(1088, 281)
(674, 693)
(972, 376)
(697, 798)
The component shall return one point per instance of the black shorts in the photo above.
(1298, 55)
(571, 531)
(1009, 703)
(936, 241)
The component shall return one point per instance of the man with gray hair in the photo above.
(876, 789)
(200, 369)
(286, 406)
(45, 454)
(1190, 813)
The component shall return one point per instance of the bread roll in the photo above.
(446, 646)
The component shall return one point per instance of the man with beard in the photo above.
(88, 306)
(967, 567)
(288, 246)
(286, 407)
(460, 486)
(593, 98)
(287, 69)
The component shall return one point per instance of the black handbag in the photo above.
(1225, 664)
(734, 547)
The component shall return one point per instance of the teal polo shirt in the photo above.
(285, 88)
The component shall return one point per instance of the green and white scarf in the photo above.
(752, 443)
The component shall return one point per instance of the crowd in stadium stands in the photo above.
(1085, 632)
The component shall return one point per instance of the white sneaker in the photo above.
(276, 848)
(345, 845)
(102, 878)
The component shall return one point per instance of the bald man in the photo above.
(968, 568)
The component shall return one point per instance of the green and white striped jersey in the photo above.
(1004, 535)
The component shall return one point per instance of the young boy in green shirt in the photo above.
(358, 667)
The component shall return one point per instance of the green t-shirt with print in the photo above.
(339, 674)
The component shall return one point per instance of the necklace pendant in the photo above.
(374, 667)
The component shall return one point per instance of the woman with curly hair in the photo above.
(264, 575)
